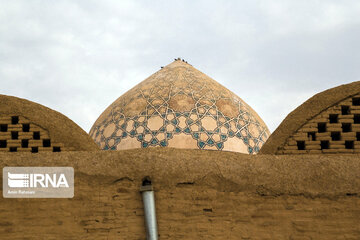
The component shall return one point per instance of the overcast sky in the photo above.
(77, 57)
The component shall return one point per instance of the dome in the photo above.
(328, 122)
(26, 126)
(180, 107)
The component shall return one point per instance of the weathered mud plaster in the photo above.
(199, 194)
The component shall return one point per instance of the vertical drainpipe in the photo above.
(147, 193)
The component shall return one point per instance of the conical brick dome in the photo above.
(180, 107)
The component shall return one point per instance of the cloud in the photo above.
(79, 56)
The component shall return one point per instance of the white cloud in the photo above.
(79, 56)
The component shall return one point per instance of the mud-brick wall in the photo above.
(334, 130)
(199, 195)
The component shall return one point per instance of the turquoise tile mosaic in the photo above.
(180, 107)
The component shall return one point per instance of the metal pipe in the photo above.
(149, 209)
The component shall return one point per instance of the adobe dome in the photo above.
(26, 126)
(328, 122)
(180, 107)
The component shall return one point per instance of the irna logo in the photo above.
(38, 182)
(34, 180)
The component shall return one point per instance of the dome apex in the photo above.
(180, 107)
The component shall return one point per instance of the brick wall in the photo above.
(18, 134)
(335, 130)
(199, 195)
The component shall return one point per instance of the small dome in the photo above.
(328, 122)
(26, 126)
(180, 107)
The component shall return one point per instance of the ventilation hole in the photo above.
(312, 136)
(358, 136)
(345, 110)
(321, 127)
(14, 135)
(3, 144)
(146, 181)
(351, 194)
(14, 120)
(46, 143)
(335, 136)
(356, 118)
(24, 143)
(13, 149)
(34, 149)
(3, 127)
(301, 145)
(356, 101)
(349, 144)
(26, 127)
(333, 118)
(36, 135)
(56, 149)
(346, 127)
(324, 144)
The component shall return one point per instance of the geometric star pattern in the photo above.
(180, 107)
